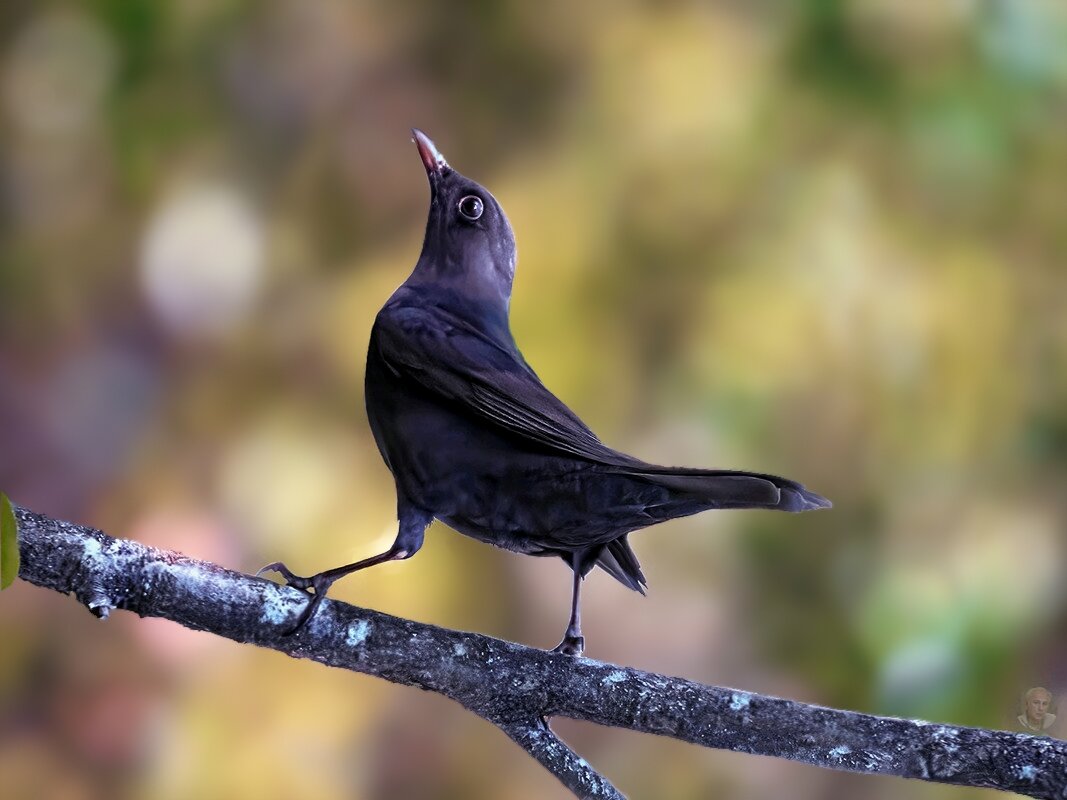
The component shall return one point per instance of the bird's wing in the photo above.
(460, 364)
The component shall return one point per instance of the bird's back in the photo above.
(472, 436)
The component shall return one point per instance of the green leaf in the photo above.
(9, 543)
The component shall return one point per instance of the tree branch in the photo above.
(552, 753)
(517, 688)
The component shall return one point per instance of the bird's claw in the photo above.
(315, 587)
(570, 646)
(290, 578)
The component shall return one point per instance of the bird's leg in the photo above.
(573, 642)
(408, 541)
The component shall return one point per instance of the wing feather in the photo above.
(462, 365)
(459, 364)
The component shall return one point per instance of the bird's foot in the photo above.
(291, 579)
(314, 586)
(571, 645)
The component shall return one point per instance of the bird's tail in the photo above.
(690, 491)
(707, 488)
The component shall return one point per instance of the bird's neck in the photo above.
(478, 276)
(485, 310)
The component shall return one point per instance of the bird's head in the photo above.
(469, 247)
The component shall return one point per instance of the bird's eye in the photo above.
(471, 207)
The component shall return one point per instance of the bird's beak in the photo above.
(435, 163)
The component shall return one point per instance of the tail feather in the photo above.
(801, 499)
(619, 561)
(734, 489)
(694, 490)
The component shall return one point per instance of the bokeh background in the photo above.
(824, 239)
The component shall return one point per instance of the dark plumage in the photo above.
(473, 437)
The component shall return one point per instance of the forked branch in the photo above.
(518, 688)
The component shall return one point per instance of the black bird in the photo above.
(473, 437)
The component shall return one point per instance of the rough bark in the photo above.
(518, 688)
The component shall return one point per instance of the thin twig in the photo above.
(517, 687)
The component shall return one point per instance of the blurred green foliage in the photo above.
(824, 239)
(9, 543)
